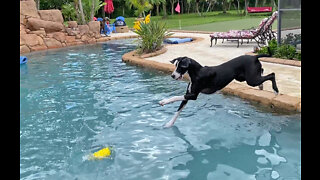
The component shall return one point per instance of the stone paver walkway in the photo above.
(288, 78)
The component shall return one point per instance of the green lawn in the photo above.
(211, 21)
(224, 26)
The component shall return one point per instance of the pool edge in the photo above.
(263, 97)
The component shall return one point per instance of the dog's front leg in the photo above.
(171, 100)
(173, 120)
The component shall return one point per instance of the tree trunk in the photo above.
(188, 8)
(224, 6)
(263, 3)
(275, 4)
(256, 3)
(208, 6)
(197, 7)
(123, 10)
(181, 7)
(164, 9)
(202, 8)
(157, 6)
(172, 7)
(76, 4)
(92, 10)
(245, 6)
(83, 21)
(238, 6)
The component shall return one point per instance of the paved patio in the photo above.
(288, 77)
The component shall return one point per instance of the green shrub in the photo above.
(151, 36)
(298, 56)
(273, 45)
(285, 51)
(69, 12)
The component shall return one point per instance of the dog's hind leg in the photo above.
(261, 85)
(173, 120)
(258, 80)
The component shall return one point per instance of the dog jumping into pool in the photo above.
(207, 80)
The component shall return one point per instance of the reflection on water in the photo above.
(77, 100)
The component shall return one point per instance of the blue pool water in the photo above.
(75, 101)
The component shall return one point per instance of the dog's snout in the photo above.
(173, 76)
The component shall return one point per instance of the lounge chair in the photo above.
(259, 9)
(260, 34)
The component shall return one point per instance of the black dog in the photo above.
(208, 80)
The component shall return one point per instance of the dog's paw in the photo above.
(163, 102)
(261, 86)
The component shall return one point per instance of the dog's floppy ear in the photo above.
(186, 62)
(172, 61)
(177, 59)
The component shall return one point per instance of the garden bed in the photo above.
(277, 60)
(164, 49)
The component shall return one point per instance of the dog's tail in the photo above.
(265, 55)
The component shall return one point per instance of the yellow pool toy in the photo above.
(103, 153)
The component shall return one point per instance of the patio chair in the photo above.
(268, 33)
(260, 34)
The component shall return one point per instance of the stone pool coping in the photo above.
(266, 98)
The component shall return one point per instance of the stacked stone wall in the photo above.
(45, 29)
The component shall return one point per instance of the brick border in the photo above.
(262, 97)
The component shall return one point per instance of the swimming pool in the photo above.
(75, 101)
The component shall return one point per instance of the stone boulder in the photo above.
(70, 39)
(22, 29)
(40, 32)
(24, 49)
(72, 24)
(31, 40)
(28, 8)
(53, 15)
(60, 36)
(84, 29)
(72, 31)
(52, 43)
(94, 26)
(35, 24)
